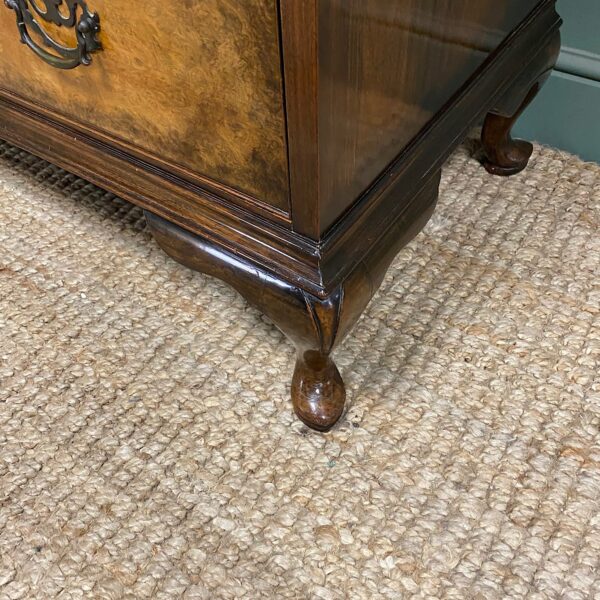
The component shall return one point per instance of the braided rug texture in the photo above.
(148, 447)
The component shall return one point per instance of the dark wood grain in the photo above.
(386, 68)
(299, 24)
(382, 71)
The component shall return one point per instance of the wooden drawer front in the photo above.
(197, 84)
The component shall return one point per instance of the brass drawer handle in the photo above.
(63, 13)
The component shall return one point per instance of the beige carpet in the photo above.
(148, 447)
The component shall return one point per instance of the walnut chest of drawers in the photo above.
(288, 147)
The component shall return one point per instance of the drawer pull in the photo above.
(62, 13)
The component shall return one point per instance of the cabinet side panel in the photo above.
(197, 84)
(386, 68)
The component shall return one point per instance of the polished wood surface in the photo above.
(197, 84)
(261, 236)
(504, 155)
(367, 135)
(315, 325)
(384, 69)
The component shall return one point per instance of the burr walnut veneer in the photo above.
(290, 147)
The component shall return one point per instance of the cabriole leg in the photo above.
(311, 323)
(504, 155)
(314, 323)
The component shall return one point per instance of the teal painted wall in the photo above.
(581, 24)
(566, 114)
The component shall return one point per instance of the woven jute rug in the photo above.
(148, 447)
